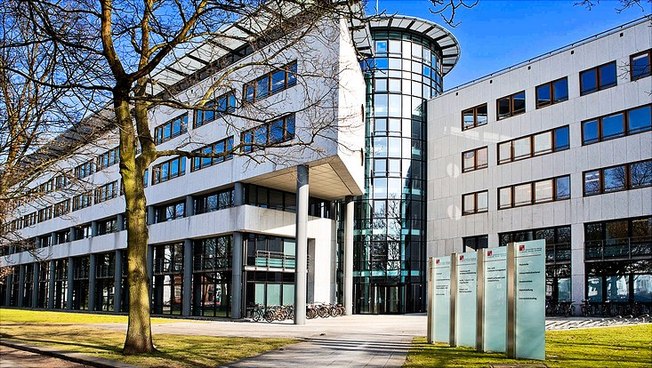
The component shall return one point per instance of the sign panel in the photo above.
(466, 300)
(441, 298)
(530, 273)
(495, 299)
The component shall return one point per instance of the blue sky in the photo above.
(496, 34)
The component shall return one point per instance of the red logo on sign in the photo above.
(521, 247)
(436, 261)
(489, 253)
(461, 258)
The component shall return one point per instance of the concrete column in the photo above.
(186, 294)
(93, 228)
(236, 275)
(150, 270)
(21, 285)
(36, 269)
(300, 288)
(71, 280)
(120, 219)
(9, 282)
(189, 206)
(51, 286)
(53, 238)
(348, 256)
(92, 272)
(117, 281)
(71, 234)
(578, 279)
(150, 215)
(238, 194)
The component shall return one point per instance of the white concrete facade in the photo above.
(447, 183)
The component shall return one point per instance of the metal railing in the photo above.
(274, 259)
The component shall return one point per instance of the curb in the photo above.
(72, 357)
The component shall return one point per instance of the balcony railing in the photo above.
(624, 248)
(274, 259)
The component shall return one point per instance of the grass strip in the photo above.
(623, 346)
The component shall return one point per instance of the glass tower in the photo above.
(390, 219)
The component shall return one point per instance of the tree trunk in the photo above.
(139, 331)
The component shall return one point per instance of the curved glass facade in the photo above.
(390, 227)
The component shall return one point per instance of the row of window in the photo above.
(591, 80)
(605, 180)
(270, 83)
(620, 124)
(616, 178)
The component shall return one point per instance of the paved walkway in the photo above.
(14, 358)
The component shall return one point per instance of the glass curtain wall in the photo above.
(390, 226)
(212, 276)
(168, 279)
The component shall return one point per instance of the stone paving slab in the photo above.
(83, 360)
(15, 358)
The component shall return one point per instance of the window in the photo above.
(474, 117)
(552, 92)
(30, 219)
(622, 238)
(61, 181)
(474, 203)
(213, 201)
(632, 121)
(82, 201)
(107, 226)
(277, 131)
(85, 169)
(475, 242)
(541, 191)
(171, 129)
(46, 187)
(271, 83)
(45, 214)
(106, 192)
(168, 170)
(639, 65)
(213, 109)
(616, 178)
(511, 105)
(62, 208)
(598, 78)
(474, 159)
(223, 150)
(169, 212)
(108, 158)
(534, 145)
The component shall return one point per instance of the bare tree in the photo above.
(132, 54)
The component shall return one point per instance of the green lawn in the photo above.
(626, 346)
(72, 332)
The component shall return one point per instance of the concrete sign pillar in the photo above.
(300, 285)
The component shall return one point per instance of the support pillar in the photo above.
(117, 282)
(21, 285)
(53, 238)
(186, 293)
(120, 221)
(51, 285)
(36, 268)
(348, 257)
(9, 286)
(150, 271)
(71, 234)
(238, 194)
(92, 267)
(71, 280)
(300, 287)
(189, 207)
(236, 275)
(93, 228)
(150, 215)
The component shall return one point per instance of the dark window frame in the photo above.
(551, 85)
(647, 53)
(474, 111)
(553, 142)
(475, 160)
(251, 133)
(106, 192)
(108, 159)
(156, 170)
(198, 163)
(626, 131)
(159, 137)
(627, 184)
(290, 69)
(475, 203)
(598, 85)
(213, 106)
(476, 239)
(533, 196)
(512, 111)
